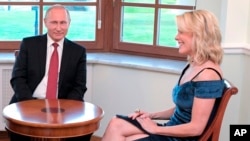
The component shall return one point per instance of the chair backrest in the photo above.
(16, 52)
(212, 131)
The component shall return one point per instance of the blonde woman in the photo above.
(198, 87)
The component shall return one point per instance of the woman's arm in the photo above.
(200, 115)
(163, 115)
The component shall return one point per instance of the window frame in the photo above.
(141, 49)
(108, 37)
(89, 45)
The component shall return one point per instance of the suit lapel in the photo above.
(42, 53)
(65, 59)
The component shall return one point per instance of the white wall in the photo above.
(248, 29)
(234, 18)
(120, 90)
(237, 22)
(211, 5)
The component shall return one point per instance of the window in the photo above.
(125, 26)
(25, 18)
(148, 26)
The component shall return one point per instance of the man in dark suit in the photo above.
(30, 72)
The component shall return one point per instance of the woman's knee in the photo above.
(116, 122)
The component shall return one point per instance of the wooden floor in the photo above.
(4, 137)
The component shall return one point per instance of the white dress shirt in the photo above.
(40, 91)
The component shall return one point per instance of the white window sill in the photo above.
(130, 61)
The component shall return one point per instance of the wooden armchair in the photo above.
(212, 131)
(16, 52)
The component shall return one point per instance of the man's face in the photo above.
(57, 23)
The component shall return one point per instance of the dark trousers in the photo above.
(18, 137)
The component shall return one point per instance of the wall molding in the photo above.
(236, 49)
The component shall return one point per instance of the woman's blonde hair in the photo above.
(206, 35)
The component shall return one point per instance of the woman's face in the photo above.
(184, 40)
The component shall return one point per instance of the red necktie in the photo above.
(52, 74)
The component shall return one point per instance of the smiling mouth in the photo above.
(180, 44)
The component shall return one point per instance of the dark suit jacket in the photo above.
(29, 69)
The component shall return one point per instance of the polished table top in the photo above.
(52, 118)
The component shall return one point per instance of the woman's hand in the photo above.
(139, 113)
(147, 124)
(144, 118)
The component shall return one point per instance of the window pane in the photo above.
(179, 2)
(140, 1)
(83, 23)
(167, 27)
(22, 22)
(135, 29)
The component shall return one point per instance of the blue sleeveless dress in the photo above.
(183, 96)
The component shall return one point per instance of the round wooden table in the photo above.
(52, 118)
